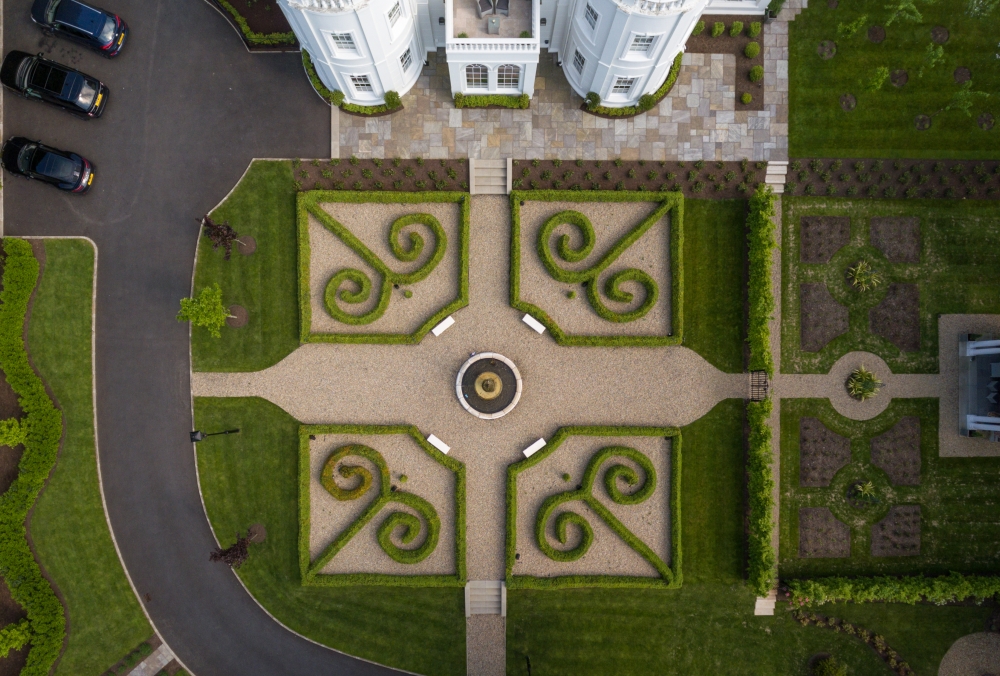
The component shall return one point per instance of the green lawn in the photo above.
(262, 206)
(882, 124)
(959, 498)
(714, 265)
(68, 527)
(957, 274)
(253, 477)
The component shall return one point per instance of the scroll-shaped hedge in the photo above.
(405, 524)
(589, 276)
(335, 292)
(643, 487)
(44, 429)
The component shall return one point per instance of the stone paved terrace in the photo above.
(697, 120)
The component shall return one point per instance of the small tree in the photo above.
(234, 556)
(905, 10)
(830, 666)
(849, 29)
(933, 57)
(877, 79)
(206, 310)
(963, 99)
(221, 234)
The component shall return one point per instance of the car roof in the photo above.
(79, 15)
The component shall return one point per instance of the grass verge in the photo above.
(253, 477)
(68, 526)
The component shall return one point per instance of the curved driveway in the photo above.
(189, 108)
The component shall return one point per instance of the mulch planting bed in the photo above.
(701, 179)
(822, 317)
(876, 34)
(822, 535)
(246, 245)
(726, 44)
(822, 236)
(898, 534)
(237, 316)
(821, 453)
(893, 179)
(897, 452)
(262, 16)
(898, 238)
(374, 174)
(897, 317)
(939, 35)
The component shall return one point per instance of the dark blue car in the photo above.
(92, 27)
(38, 79)
(34, 160)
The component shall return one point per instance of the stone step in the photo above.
(485, 597)
(489, 177)
(765, 604)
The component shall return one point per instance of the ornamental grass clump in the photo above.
(863, 277)
(862, 384)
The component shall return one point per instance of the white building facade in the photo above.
(619, 49)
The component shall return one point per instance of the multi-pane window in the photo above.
(508, 77)
(641, 44)
(591, 15)
(578, 61)
(343, 41)
(406, 59)
(362, 83)
(394, 14)
(477, 76)
(623, 85)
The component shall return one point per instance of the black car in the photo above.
(37, 78)
(32, 159)
(102, 31)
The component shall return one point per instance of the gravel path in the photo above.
(972, 655)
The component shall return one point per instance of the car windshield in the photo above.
(54, 166)
(82, 17)
(108, 32)
(85, 92)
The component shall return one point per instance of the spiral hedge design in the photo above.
(589, 276)
(643, 486)
(405, 524)
(352, 286)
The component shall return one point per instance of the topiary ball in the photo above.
(745, 98)
(751, 50)
(756, 73)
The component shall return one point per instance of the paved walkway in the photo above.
(697, 120)
(156, 660)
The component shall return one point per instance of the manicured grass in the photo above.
(262, 206)
(715, 244)
(956, 274)
(882, 124)
(68, 527)
(253, 477)
(959, 498)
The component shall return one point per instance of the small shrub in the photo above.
(646, 101)
(593, 100)
(588, 176)
(397, 185)
(357, 185)
(618, 162)
(872, 191)
(579, 163)
(525, 34)
(831, 190)
(378, 185)
(746, 98)
(730, 175)
(327, 173)
(377, 162)
(845, 178)
(631, 172)
(567, 175)
(700, 164)
(692, 175)
(366, 173)
(620, 185)
(751, 50)
(851, 191)
(864, 178)
(957, 169)
(535, 162)
(736, 28)
(890, 192)
(463, 34)
(718, 28)
(697, 187)
(546, 175)
(810, 189)
(756, 74)
(863, 277)
(862, 384)
(396, 161)
(557, 162)
(607, 176)
(699, 28)
(790, 187)
(556, 184)
(409, 173)
(859, 167)
(826, 177)
(830, 667)
(755, 28)
(354, 160)
(420, 161)
(420, 184)
(452, 174)
(651, 175)
(803, 175)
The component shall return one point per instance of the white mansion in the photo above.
(620, 49)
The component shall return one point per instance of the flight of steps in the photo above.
(775, 176)
(765, 604)
(485, 597)
(490, 177)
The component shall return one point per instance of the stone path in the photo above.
(152, 665)
(697, 120)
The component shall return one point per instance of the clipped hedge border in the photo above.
(761, 559)
(671, 202)
(673, 577)
(44, 431)
(351, 579)
(911, 589)
(517, 102)
(252, 37)
(334, 100)
(313, 198)
(657, 96)
(760, 229)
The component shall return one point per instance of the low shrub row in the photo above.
(760, 229)
(646, 101)
(41, 445)
(761, 566)
(255, 38)
(336, 98)
(519, 102)
(950, 588)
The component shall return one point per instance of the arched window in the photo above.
(508, 77)
(477, 76)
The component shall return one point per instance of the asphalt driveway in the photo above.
(189, 108)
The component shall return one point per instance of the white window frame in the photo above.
(517, 79)
(579, 61)
(468, 80)
(406, 59)
(616, 87)
(645, 40)
(591, 16)
(357, 86)
(338, 49)
(394, 14)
